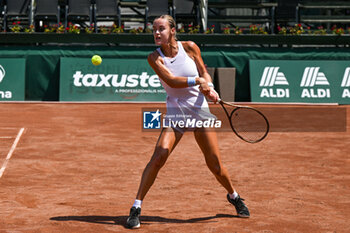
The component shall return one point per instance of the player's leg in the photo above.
(207, 141)
(167, 141)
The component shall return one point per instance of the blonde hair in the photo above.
(171, 22)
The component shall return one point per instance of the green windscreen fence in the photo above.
(43, 65)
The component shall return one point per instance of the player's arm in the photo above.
(206, 88)
(195, 53)
(157, 64)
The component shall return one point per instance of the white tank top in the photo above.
(188, 101)
(180, 65)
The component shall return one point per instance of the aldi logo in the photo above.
(272, 77)
(313, 77)
(346, 83)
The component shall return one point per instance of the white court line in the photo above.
(6, 137)
(8, 157)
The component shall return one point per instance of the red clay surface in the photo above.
(77, 168)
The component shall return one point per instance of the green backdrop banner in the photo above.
(42, 73)
(113, 80)
(12, 79)
(300, 81)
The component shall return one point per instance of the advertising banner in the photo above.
(12, 79)
(116, 79)
(300, 81)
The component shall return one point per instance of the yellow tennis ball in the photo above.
(96, 60)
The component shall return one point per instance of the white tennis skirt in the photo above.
(183, 114)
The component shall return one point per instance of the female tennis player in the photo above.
(183, 75)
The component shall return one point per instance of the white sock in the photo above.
(233, 195)
(137, 203)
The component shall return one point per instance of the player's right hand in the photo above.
(204, 87)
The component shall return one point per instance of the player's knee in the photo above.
(215, 166)
(157, 163)
(216, 169)
(159, 158)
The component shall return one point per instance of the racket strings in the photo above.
(249, 124)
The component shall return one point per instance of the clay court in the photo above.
(77, 167)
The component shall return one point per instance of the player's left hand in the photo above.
(213, 95)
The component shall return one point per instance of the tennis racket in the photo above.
(248, 123)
